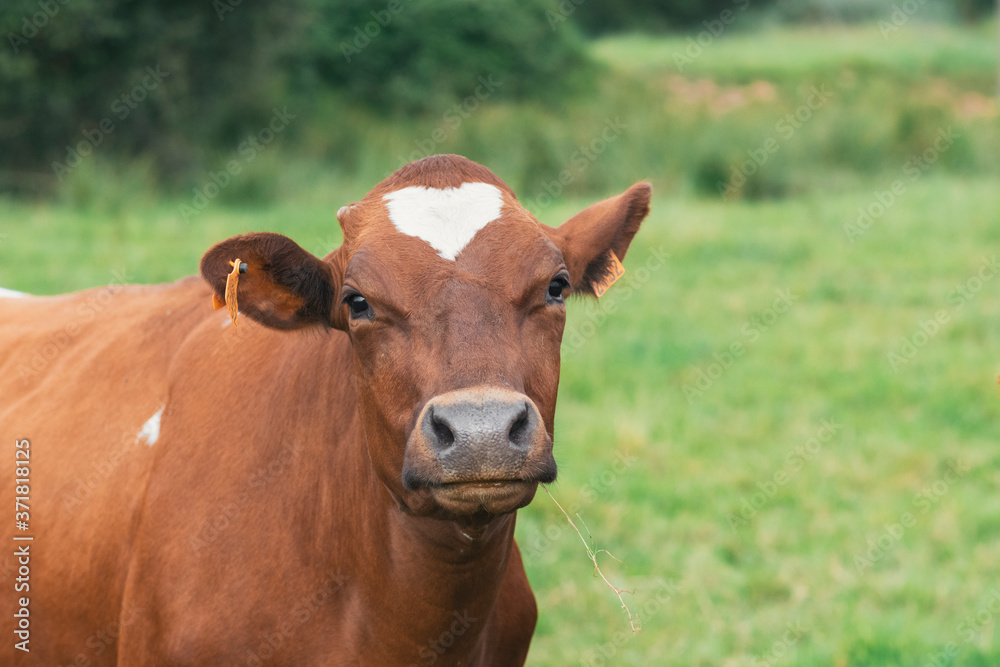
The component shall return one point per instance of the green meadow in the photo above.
(782, 422)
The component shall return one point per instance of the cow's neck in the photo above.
(423, 576)
(443, 576)
(452, 568)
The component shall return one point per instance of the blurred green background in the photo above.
(783, 419)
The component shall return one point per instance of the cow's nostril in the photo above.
(445, 436)
(518, 428)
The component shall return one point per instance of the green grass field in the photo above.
(783, 422)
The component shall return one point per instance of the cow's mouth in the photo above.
(490, 496)
(477, 451)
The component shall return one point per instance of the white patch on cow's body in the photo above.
(446, 218)
(150, 431)
(12, 294)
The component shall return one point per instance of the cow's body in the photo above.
(204, 494)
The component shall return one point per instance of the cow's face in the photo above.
(453, 297)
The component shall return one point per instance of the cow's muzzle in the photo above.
(479, 449)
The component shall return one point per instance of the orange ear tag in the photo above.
(231, 283)
(611, 275)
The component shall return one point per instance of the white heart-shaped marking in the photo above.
(445, 218)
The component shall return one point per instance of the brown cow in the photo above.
(332, 481)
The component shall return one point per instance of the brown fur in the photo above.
(269, 523)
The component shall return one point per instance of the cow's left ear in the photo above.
(283, 287)
(588, 239)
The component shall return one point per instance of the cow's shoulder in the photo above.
(97, 336)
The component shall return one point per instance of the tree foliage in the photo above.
(167, 77)
(419, 54)
(76, 76)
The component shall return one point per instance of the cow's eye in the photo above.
(556, 289)
(359, 306)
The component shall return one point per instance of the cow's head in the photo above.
(453, 297)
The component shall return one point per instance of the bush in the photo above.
(162, 77)
(181, 81)
(653, 15)
(407, 55)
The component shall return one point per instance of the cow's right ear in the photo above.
(283, 287)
